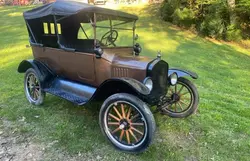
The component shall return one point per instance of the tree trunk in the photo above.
(231, 4)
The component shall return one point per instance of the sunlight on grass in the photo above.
(155, 41)
(236, 46)
(9, 55)
(4, 10)
(219, 131)
(15, 14)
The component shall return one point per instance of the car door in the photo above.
(78, 66)
(85, 66)
(66, 59)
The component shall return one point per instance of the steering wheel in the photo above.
(109, 38)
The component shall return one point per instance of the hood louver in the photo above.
(120, 72)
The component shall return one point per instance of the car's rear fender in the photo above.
(121, 85)
(43, 72)
(182, 73)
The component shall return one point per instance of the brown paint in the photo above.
(86, 68)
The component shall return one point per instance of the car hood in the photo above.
(123, 57)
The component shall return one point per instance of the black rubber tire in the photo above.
(41, 94)
(192, 109)
(145, 111)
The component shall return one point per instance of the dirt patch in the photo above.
(10, 149)
(16, 147)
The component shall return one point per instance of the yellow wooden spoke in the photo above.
(127, 136)
(114, 117)
(117, 129)
(117, 112)
(123, 112)
(121, 135)
(184, 93)
(184, 102)
(131, 132)
(180, 89)
(137, 124)
(113, 123)
(180, 105)
(129, 112)
(138, 131)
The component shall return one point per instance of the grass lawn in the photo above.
(219, 131)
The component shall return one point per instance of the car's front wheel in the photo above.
(127, 122)
(32, 87)
(182, 99)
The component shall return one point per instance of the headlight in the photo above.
(148, 83)
(173, 78)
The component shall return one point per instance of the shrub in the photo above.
(243, 13)
(233, 33)
(168, 9)
(213, 18)
(213, 26)
(184, 18)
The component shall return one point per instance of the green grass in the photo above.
(219, 131)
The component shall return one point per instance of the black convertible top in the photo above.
(67, 8)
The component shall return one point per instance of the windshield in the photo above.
(109, 32)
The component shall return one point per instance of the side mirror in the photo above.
(136, 37)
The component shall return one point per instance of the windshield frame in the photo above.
(111, 27)
(92, 20)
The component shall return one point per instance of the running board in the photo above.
(71, 91)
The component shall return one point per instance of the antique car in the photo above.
(84, 53)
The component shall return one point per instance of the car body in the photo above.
(81, 70)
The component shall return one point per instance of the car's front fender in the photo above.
(182, 73)
(121, 85)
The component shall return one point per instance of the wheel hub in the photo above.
(124, 124)
(33, 86)
(175, 97)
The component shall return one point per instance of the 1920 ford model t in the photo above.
(79, 56)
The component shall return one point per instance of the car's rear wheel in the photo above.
(127, 122)
(183, 99)
(32, 87)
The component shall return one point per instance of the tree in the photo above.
(231, 5)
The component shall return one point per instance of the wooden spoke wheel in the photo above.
(183, 100)
(32, 87)
(127, 122)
